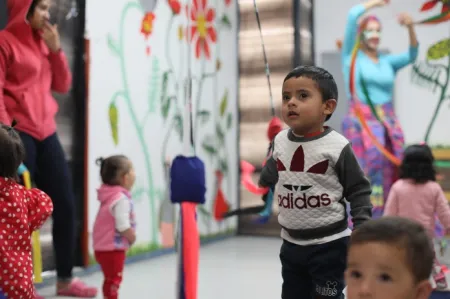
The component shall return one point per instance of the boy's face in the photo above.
(302, 108)
(380, 271)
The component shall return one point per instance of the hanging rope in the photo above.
(266, 62)
(188, 188)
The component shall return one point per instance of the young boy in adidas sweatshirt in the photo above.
(315, 171)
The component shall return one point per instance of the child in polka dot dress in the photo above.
(21, 212)
(114, 226)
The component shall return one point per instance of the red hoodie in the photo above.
(29, 72)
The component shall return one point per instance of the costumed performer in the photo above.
(374, 79)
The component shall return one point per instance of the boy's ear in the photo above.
(423, 290)
(330, 106)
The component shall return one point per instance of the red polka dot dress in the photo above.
(21, 212)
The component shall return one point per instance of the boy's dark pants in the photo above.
(313, 271)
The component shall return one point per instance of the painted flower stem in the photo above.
(166, 141)
(203, 77)
(167, 52)
(442, 99)
(172, 98)
(139, 131)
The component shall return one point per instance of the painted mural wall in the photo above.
(139, 62)
(422, 91)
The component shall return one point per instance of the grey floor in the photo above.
(239, 267)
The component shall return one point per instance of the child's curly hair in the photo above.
(418, 164)
(12, 152)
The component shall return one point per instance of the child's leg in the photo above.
(326, 264)
(296, 281)
(112, 263)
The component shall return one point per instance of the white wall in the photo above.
(121, 65)
(415, 105)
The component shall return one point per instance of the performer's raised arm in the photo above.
(399, 61)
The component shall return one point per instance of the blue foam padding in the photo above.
(440, 295)
(188, 183)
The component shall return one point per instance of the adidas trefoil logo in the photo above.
(298, 165)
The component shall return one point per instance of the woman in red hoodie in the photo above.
(32, 65)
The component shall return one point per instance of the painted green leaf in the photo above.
(224, 103)
(178, 119)
(114, 121)
(165, 107)
(205, 214)
(153, 85)
(439, 50)
(229, 120)
(138, 193)
(226, 21)
(223, 165)
(112, 45)
(164, 100)
(203, 211)
(208, 145)
(220, 134)
(203, 116)
(426, 75)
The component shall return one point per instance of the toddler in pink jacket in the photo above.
(114, 227)
(417, 196)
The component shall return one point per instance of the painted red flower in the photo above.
(202, 30)
(432, 3)
(147, 28)
(147, 24)
(227, 2)
(175, 5)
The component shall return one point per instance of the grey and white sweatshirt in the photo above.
(314, 176)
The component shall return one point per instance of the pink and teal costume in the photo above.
(379, 78)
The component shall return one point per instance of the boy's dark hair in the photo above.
(12, 152)
(112, 168)
(418, 164)
(324, 80)
(404, 233)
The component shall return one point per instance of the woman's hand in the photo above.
(376, 3)
(383, 2)
(50, 35)
(405, 19)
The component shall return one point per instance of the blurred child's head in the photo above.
(390, 257)
(310, 96)
(12, 152)
(418, 164)
(117, 170)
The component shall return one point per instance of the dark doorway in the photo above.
(69, 15)
(3, 14)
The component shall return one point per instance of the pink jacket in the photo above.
(105, 236)
(29, 72)
(420, 202)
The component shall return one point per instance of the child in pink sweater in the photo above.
(114, 226)
(417, 196)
